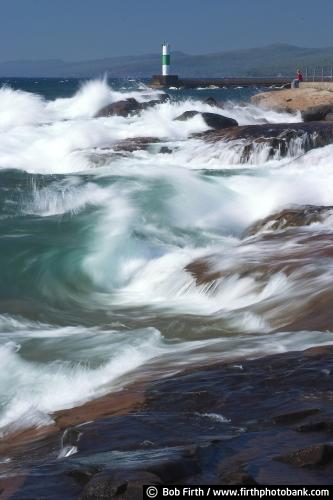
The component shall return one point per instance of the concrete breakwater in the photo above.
(160, 81)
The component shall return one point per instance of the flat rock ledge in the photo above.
(293, 100)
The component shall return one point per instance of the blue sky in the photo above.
(84, 29)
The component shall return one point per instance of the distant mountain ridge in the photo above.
(271, 60)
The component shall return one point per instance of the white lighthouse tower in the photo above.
(165, 59)
(165, 79)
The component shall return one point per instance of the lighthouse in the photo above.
(165, 59)
(165, 80)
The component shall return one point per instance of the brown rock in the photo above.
(293, 217)
(135, 144)
(294, 99)
(318, 454)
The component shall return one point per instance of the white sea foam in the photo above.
(146, 216)
(52, 137)
(34, 389)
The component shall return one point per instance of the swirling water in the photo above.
(94, 243)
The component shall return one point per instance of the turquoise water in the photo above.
(94, 243)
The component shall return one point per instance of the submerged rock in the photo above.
(135, 144)
(292, 217)
(277, 138)
(213, 120)
(213, 102)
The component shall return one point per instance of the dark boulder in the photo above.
(238, 478)
(124, 108)
(187, 115)
(165, 150)
(276, 137)
(218, 121)
(175, 469)
(130, 106)
(121, 484)
(317, 113)
(213, 120)
(163, 97)
(318, 454)
(292, 217)
(293, 416)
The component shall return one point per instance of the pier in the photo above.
(167, 81)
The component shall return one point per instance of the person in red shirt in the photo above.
(299, 76)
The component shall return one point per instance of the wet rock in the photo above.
(316, 113)
(164, 98)
(175, 469)
(202, 271)
(218, 122)
(213, 120)
(293, 416)
(293, 217)
(275, 137)
(123, 108)
(83, 475)
(238, 478)
(135, 144)
(165, 150)
(187, 115)
(71, 437)
(212, 102)
(190, 451)
(318, 454)
(130, 106)
(311, 427)
(121, 484)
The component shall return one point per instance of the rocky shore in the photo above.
(242, 422)
(259, 421)
(313, 103)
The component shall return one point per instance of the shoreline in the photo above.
(277, 408)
